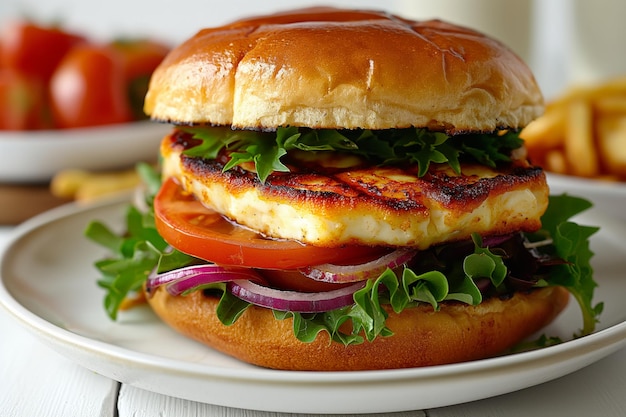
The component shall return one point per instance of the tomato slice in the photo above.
(198, 231)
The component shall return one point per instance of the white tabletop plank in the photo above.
(597, 390)
(37, 381)
(133, 399)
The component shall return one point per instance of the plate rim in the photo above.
(70, 134)
(35, 157)
(596, 185)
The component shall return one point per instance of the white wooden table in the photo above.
(35, 381)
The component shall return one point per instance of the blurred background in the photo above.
(563, 40)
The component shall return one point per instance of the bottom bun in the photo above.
(422, 337)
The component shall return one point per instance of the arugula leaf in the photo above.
(316, 140)
(214, 139)
(134, 257)
(491, 149)
(541, 342)
(571, 243)
(306, 327)
(428, 152)
(367, 314)
(230, 308)
(466, 292)
(104, 236)
(395, 146)
(429, 287)
(484, 264)
(265, 155)
(134, 253)
(151, 178)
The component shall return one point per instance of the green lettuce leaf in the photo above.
(135, 252)
(134, 256)
(484, 264)
(416, 146)
(570, 242)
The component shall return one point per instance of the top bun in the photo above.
(333, 68)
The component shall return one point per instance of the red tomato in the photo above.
(34, 50)
(22, 101)
(140, 58)
(193, 229)
(88, 88)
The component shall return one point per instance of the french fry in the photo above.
(612, 143)
(87, 186)
(546, 132)
(107, 184)
(594, 92)
(580, 149)
(555, 162)
(610, 104)
(66, 183)
(615, 86)
(583, 132)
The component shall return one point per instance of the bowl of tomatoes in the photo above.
(67, 101)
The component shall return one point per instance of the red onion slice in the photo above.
(184, 279)
(353, 273)
(302, 302)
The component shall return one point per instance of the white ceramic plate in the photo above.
(608, 197)
(31, 157)
(48, 285)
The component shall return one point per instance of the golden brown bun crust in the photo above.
(333, 68)
(422, 337)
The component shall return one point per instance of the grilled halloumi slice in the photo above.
(330, 200)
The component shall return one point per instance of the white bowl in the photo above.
(608, 197)
(36, 156)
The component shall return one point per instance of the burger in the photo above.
(347, 190)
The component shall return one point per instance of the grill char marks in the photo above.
(331, 200)
(398, 189)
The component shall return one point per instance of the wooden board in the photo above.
(21, 202)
